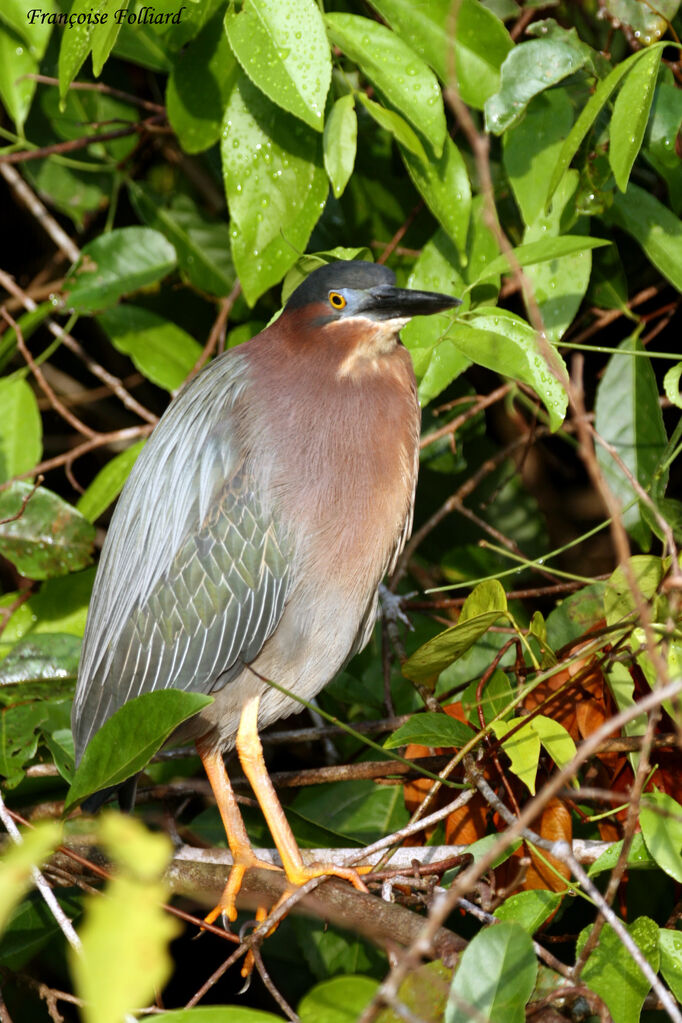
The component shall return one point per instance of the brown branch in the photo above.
(24, 502)
(106, 90)
(71, 145)
(217, 330)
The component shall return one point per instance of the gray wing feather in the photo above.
(194, 574)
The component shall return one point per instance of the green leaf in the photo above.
(670, 944)
(496, 698)
(202, 244)
(395, 124)
(630, 115)
(496, 975)
(506, 344)
(18, 860)
(283, 48)
(92, 26)
(529, 909)
(40, 658)
(28, 324)
(339, 1000)
(16, 61)
(49, 538)
(529, 69)
(481, 42)
(652, 224)
(671, 385)
(276, 186)
(628, 416)
(639, 857)
(108, 483)
(660, 819)
(587, 117)
(162, 351)
(619, 602)
(21, 428)
(542, 251)
(19, 727)
(555, 739)
(522, 748)
(559, 284)
(34, 29)
(608, 284)
(482, 608)
(128, 740)
(360, 810)
(219, 1014)
(340, 143)
(531, 147)
(611, 972)
(393, 67)
(31, 926)
(116, 264)
(430, 729)
(444, 185)
(648, 22)
(129, 925)
(202, 78)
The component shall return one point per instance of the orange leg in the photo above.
(243, 855)
(251, 756)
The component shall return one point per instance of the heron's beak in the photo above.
(388, 303)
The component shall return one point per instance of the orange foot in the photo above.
(227, 906)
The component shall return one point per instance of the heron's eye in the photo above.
(338, 301)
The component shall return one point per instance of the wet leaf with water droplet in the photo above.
(280, 157)
(444, 185)
(284, 50)
(630, 115)
(340, 142)
(395, 69)
(49, 537)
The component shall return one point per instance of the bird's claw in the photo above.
(392, 606)
(227, 905)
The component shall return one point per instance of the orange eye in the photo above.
(338, 301)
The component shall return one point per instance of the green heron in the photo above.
(252, 536)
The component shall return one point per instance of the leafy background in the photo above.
(166, 186)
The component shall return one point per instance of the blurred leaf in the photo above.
(200, 82)
(32, 27)
(49, 538)
(529, 69)
(576, 615)
(430, 729)
(660, 819)
(670, 944)
(18, 860)
(482, 608)
(340, 143)
(630, 115)
(161, 350)
(339, 1000)
(619, 601)
(529, 909)
(71, 119)
(284, 50)
(444, 186)
(21, 428)
(16, 61)
(219, 1014)
(394, 68)
(424, 992)
(395, 124)
(652, 224)
(108, 483)
(506, 344)
(329, 952)
(74, 192)
(31, 926)
(117, 264)
(608, 284)
(496, 975)
(647, 22)
(628, 416)
(28, 324)
(275, 183)
(40, 658)
(129, 927)
(587, 117)
(129, 739)
(481, 42)
(611, 972)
